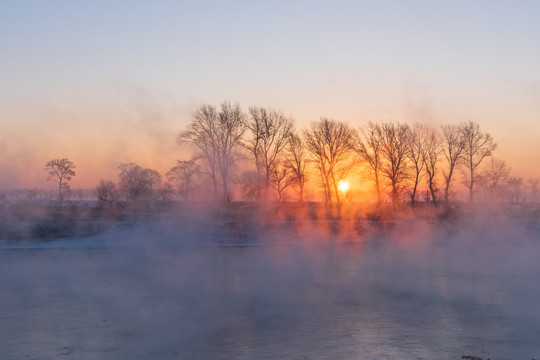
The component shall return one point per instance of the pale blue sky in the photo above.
(144, 65)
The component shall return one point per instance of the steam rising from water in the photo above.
(403, 290)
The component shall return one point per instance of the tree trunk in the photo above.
(447, 186)
(394, 196)
(328, 190)
(471, 193)
(214, 182)
(336, 191)
(413, 195)
(432, 190)
(225, 191)
(378, 186)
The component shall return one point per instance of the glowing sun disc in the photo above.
(343, 186)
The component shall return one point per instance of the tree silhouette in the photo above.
(395, 151)
(431, 154)
(269, 131)
(296, 161)
(515, 184)
(281, 178)
(452, 144)
(138, 182)
(60, 171)
(369, 144)
(477, 146)
(415, 157)
(217, 136)
(496, 177)
(534, 187)
(106, 193)
(331, 144)
(183, 175)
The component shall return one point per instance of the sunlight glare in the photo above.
(343, 186)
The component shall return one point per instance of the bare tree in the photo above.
(296, 161)
(249, 182)
(515, 184)
(231, 128)
(60, 171)
(183, 175)
(154, 182)
(106, 193)
(452, 144)
(331, 144)
(431, 154)
(534, 187)
(416, 144)
(281, 179)
(369, 147)
(477, 146)
(394, 152)
(138, 182)
(269, 131)
(67, 193)
(203, 133)
(217, 136)
(166, 192)
(496, 177)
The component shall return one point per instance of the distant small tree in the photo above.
(80, 193)
(60, 171)
(183, 175)
(138, 182)
(153, 177)
(515, 183)
(496, 177)
(534, 188)
(31, 194)
(67, 193)
(106, 193)
(166, 192)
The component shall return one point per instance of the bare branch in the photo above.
(60, 171)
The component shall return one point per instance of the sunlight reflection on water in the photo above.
(348, 301)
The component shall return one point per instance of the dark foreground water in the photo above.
(413, 293)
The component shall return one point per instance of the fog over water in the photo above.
(164, 290)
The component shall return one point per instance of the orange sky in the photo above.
(97, 140)
(103, 83)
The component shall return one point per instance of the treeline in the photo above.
(261, 155)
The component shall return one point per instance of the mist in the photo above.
(193, 287)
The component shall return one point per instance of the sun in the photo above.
(343, 186)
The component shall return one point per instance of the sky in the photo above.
(106, 82)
